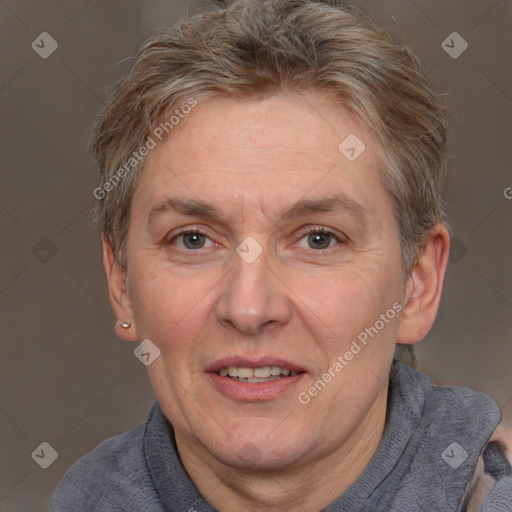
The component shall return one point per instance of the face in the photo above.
(257, 248)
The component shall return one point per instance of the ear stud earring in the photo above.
(125, 325)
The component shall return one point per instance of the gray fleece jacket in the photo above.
(440, 452)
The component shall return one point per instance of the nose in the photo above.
(253, 298)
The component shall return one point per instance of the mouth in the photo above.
(254, 379)
(255, 375)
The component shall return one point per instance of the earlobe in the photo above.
(119, 295)
(126, 331)
(424, 287)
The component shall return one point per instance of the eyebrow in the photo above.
(303, 207)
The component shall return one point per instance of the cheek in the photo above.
(347, 299)
(345, 308)
(170, 307)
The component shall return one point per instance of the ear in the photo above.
(119, 296)
(424, 287)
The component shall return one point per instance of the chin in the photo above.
(257, 447)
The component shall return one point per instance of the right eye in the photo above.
(191, 239)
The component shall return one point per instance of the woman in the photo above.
(272, 228)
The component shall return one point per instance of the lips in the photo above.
(254, 379)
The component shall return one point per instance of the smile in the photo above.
(254, 379)
(255, 375)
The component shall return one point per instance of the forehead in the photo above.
(271, 150)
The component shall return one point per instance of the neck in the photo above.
(308, 485)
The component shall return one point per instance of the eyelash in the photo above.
(319, 230)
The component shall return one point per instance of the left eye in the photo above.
(320, 239)
(192, 240)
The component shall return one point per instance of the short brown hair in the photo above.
(251, 48)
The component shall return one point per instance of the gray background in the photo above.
(65, 377)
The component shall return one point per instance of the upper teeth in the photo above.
(263, 372)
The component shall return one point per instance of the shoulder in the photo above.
(452, 428)
(449, 405)
(110, 477)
